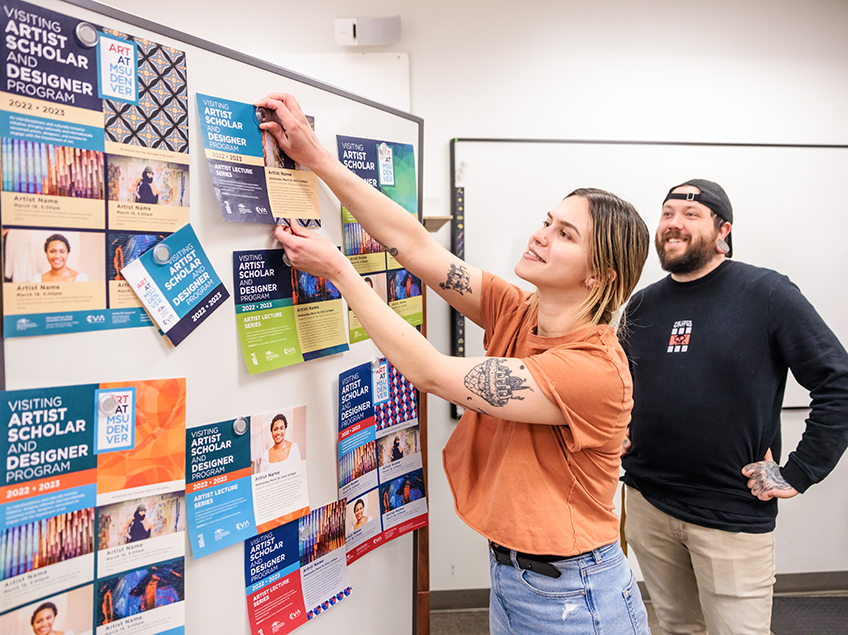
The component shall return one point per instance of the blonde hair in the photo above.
(619, 247)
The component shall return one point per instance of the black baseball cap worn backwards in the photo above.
(712, 196)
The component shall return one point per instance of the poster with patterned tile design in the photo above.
(95, 140)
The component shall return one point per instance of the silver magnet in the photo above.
(240, 426)
(108, 405)
(161, 253)
(384, 149)
(286, 261)
(375, 363)
(87, 35)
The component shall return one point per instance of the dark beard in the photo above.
(696, 256)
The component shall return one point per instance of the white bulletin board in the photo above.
(218, 384)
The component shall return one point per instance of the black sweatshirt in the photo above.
(709, 361)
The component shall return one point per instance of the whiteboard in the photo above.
(789, 213)
(218, 384)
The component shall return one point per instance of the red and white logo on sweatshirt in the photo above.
(680, 334)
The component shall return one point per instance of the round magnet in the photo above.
(384, 149)
(108, 405)
(286, 260)
(375, 363)
(303, 532)
(161, 253)
(266, 115)
(240, 426)
(87, 35)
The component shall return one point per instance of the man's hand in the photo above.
(765, 480)
(626, 444)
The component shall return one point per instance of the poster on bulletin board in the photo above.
(254, 180)
(94, 133)
(381, 471)
(93, 507)
(245, 477)
(390, 168)
(296, 572)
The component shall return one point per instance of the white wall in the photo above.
(766, 71)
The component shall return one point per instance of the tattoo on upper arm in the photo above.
(493, 381)
(393, 251)
(458, 280)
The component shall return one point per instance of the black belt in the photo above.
(528, 561)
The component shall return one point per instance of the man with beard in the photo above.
(709, 347)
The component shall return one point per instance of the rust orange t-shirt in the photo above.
(544, 489)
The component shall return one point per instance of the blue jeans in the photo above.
(596, 594)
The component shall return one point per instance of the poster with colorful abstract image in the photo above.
(381, 471)
(93, 486)
(91, 157)
(141, 515)
(144, 601)
(390, 168)
(296, 572)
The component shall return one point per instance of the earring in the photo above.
(723, 247)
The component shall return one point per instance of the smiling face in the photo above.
(278, 431)
(57, 254)
(42, 624)
(358, 510)
(558, 253)
(686, 236)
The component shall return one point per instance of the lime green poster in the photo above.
(284, 316)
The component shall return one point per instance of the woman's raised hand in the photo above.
(295, 136)
(310, 252)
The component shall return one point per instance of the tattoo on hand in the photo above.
(767, 477)
(458, 280)
(494, 382)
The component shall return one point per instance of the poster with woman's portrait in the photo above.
(362, 518)
(245, 476)
(66, 613)
(278, 458)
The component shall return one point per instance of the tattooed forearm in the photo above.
(458, 280)
(494, 382)
(764, 477)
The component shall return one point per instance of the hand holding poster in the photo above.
(254, 180)
(284, 316)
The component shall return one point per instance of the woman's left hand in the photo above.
(311, 252)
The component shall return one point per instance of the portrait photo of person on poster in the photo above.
(282, 451)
